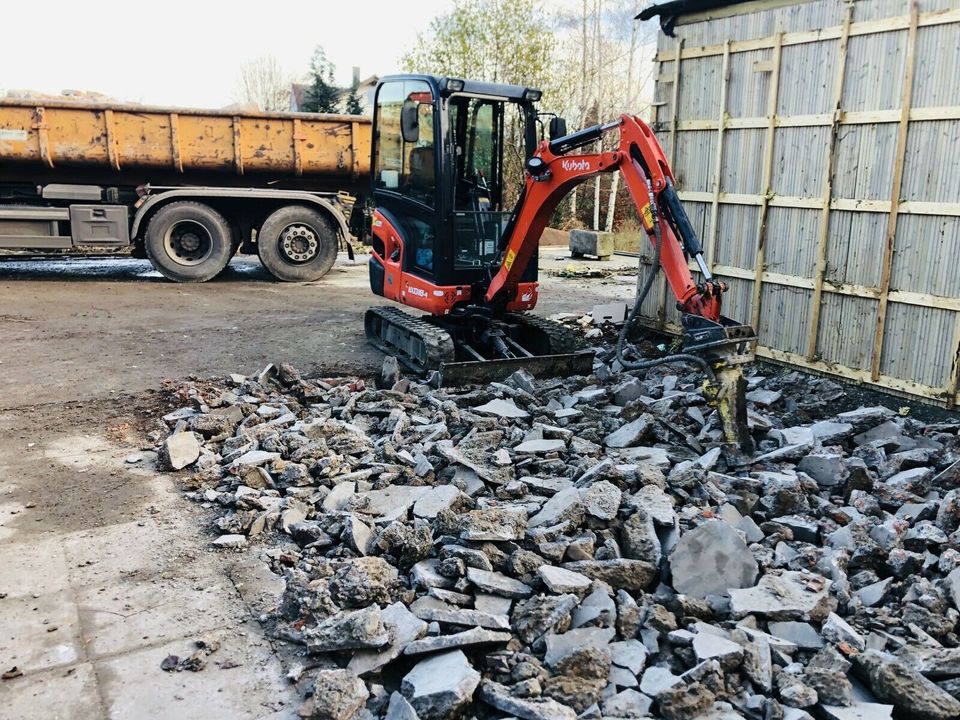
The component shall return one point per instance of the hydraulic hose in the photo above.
(641, 296)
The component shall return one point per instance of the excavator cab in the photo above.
(438, 182)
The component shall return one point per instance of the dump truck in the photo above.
(185, 188)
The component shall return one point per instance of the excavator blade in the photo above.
(482, 371)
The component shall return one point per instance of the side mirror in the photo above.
(558, 127)
(410, 123)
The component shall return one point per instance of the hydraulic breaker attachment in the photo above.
(727, 393)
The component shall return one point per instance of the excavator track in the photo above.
(418, 345)
(430, 343)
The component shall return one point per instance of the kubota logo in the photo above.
(569, 165)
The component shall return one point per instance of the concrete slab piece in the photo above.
(134, 686)
(35, 568)
(39, 632)
(129, 615)
(66, 693)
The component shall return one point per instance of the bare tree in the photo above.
(264, 83)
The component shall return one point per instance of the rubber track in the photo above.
(438, 342)
(562, 338)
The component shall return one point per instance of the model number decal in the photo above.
(419, 292)
(6, 134)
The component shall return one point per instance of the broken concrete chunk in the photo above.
(404, 627)
(439, 687)
(619, 572)
(711, 559)
(337, 695)
(789, 596)
(630, 434)
(468, 639)
(499, 697)
(502, 408)
(560, 646)
(495, 524)
(560, 581)
(911, 694)
(498, 584)
(180, 450)
(436, 500)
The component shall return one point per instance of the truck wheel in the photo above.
(188, 242)
(297, 244)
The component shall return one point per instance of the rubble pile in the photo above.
(582, 548)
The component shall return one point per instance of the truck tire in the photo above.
(297, 244)
(188, 242)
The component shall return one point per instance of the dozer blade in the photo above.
(482, 371)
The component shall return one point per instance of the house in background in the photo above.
(365, 91)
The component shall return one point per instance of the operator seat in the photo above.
(422, 178)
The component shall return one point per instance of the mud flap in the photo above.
(482, 371)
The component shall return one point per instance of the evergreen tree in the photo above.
(322, 95)
(353, 105)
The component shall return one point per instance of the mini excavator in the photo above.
(443, 243)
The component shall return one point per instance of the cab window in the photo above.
(402, 166)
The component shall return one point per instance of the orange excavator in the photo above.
(443, 242)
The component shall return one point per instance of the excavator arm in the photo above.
(552, 173)
(724, 345)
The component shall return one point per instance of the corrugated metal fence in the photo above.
(817, 149)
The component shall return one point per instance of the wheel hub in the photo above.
(188, 243)
(299, 243)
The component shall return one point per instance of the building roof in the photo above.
(672, 10)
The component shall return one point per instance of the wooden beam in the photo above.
(718, 159)
(953, 384)
(907, 207)
(848, 117)
(674, 119)
(829, 167)
(773, 93)
(887, 267)
(867, 27)
(886, 383)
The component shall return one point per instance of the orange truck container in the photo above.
(187, 188)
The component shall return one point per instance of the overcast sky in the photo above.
(187, 53)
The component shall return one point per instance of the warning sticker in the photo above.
(647, 216)
(511, 256)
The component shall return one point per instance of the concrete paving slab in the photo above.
(35, 568)
(39, 632)
(138, 550)
(135, 687)
(129, 615)
(65, 693)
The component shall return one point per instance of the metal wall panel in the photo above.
(845, 331)
(880, 263)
